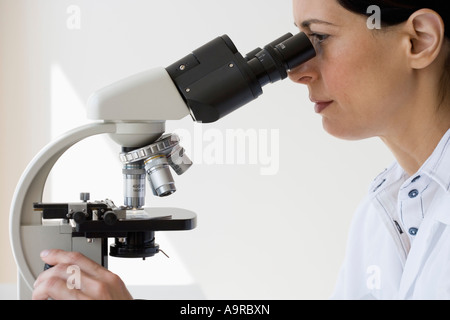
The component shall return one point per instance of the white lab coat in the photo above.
(399, 241)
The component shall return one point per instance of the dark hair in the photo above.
(397, 11)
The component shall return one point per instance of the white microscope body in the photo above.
(208, 84)
(29, 235)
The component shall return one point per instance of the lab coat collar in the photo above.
(387, 178)
(437, 168)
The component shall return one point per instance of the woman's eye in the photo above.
(318, 38)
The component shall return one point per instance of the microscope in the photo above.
(207, 85)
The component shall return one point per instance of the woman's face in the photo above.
(359, 81)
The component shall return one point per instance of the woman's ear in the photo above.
(427, 33)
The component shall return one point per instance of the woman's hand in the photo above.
(75, 277)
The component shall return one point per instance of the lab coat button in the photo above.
(413, 194)
(413, 231)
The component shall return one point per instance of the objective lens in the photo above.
(159, 176)
(134, 185)
(179, 161)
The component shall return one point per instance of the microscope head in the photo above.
(208, 84)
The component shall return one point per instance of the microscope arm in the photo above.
(28, 238)
(30, 189)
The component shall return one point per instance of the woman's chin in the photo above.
(345, 132)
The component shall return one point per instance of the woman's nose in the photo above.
(305, 73)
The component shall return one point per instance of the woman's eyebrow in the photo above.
(307, 23)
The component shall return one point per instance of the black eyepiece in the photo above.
(272, 63)
(216, 79)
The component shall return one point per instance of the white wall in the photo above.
(278, 236)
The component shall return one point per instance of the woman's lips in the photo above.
(321, 106)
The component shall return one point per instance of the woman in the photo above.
(390, 83)
(386, 80)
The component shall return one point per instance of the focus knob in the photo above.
(110, 218)
(79, 217)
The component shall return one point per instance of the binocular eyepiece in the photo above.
(216, 79)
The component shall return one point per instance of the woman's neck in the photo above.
(411, 155)
(414, 142)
